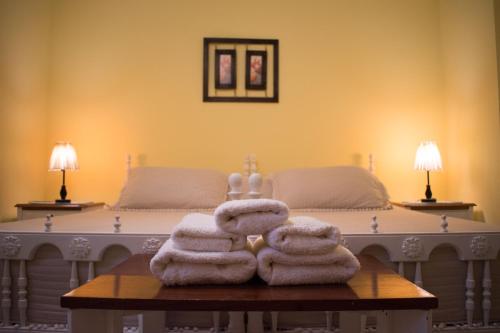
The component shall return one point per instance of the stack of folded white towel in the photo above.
(207, 249)
(304, 251)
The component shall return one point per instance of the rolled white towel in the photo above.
(303, 235)
(278, 268)
(251, 216)
(179, 267)
(198, 232)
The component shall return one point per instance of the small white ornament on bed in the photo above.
(235, 182)
(117, 224)
(250, 165)
(255, 184)
(444, 224)
(48, 222)
(374, 225)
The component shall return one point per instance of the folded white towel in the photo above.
(179, 267)
(198, 232)
(278, 268)
(251, 216)
(303, 235)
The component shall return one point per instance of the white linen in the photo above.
(342, 187)
(157, 223)
(303, 235)
(157, 188)
(278, 268)
(198, 232)
(179, 267)
(251, 216)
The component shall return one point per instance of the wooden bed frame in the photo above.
(471, 259)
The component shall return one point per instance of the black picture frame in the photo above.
(225, 80)
(208, 46)
(255, 74)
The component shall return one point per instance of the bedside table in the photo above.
(462, 210)
(43, 208)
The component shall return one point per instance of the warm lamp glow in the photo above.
(428, 157)
(63, 157)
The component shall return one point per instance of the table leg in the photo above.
(384, 320)
(236, 322)
(114, 321)
(274, 321)
(255, 323)
(350, 322)
(405, 321)
(151, 321)
(95, 321)
(329, 320)
(364, 318)
(216, 321)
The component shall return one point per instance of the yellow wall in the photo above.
(24, 60)
(357, 77)
(471, 95)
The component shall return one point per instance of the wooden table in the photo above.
(402, 306)
(43, 208)
(464, 210)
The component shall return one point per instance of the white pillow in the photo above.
(341, 187)
(157, 188)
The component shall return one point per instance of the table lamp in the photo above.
(63, 158)
(428, 159)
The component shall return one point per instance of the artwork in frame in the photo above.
(256, 70)
(225, 69)
(227, 80)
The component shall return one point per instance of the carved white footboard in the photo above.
(77, 254)
(473, 257)
(417, 257)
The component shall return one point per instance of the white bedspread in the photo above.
(137, 222)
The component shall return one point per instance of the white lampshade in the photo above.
(63, 157)
(427, 157)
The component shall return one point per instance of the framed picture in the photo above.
(228, 79)
(225, 69)
(256, 70)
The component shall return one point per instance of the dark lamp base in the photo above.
(61, 201)
(428, 200)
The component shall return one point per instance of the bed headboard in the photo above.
(250, 164)
(250, 176)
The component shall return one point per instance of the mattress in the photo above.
(397, 221)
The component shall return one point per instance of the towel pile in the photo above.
(304, 251)
(207, 249)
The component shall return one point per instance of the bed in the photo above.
(457, 260)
